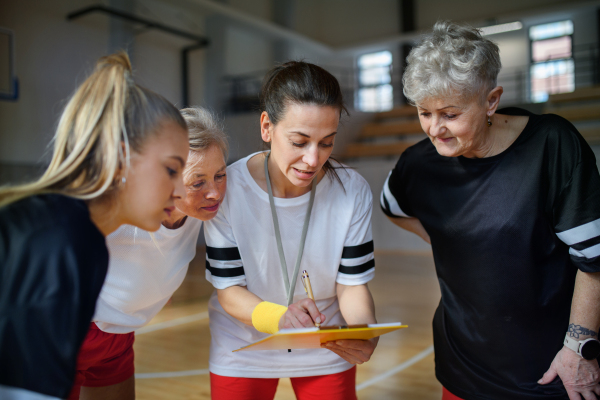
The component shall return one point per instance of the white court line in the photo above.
(171, 374)
(204, 315)
(363, 385)
(395, 370)
(172, 323)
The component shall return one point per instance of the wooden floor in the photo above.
(405, 289)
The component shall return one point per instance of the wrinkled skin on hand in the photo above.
(580, 376)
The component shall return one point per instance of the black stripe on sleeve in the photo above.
(386, 204)
(223, 253)
(386, 208)
(585, 244)
(358, 251)
(357, 269)
(225, 272)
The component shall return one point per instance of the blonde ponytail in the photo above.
(107, 117)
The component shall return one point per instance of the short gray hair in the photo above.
(205, 130)
(453, 59)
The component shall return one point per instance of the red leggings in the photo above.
(446, 395)
(340, 386)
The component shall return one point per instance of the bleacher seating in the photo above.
(390, 133)
(582, 108)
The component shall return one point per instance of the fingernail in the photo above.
(540, 381)
(318, 321)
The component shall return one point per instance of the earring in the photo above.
(123, 180)
(489, 121)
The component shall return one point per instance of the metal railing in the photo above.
(241, 92)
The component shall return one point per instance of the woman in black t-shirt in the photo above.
(510, 202)
(118, 154)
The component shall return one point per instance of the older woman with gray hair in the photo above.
(510, 202)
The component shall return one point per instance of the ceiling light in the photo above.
(494, 29)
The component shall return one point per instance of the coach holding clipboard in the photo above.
(287, 210)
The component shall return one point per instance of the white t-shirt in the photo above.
(143, 274)
(242, 250)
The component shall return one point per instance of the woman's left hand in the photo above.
(353, 351)
(579, 376)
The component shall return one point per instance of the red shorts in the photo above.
(446, 395)
(104, 359)
(340, 386)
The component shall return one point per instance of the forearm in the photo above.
(579, 376)
(356, 304)
(585, 309)
(238, 302)
(412, 225)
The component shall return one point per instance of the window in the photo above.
(552, 65)
(375, 91)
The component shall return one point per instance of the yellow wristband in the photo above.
(266, 316)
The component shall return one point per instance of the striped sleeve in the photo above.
(357, 265)
(224, 267)
(387, 200)
(577, 216)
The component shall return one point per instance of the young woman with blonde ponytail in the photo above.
(145, 269)
(119, 152)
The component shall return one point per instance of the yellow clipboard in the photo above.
(311, 338)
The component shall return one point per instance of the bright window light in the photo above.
(379, 59)
(552, 30)
(551, 49)
(551, 77)
(494, 29)
(375, 92)
(378, 98)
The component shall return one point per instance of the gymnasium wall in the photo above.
(54, 55)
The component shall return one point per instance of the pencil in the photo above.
(308, 289)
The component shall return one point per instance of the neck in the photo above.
(176, 220)
(104, 215)
(493, 142)
(501, 135)
(281, 185)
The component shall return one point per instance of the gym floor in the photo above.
(172, 351)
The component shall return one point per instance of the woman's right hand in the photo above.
(301, 314)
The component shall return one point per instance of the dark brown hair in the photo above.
(299, 82)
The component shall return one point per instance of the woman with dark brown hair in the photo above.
(301, 206)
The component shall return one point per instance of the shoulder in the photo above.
(551, 128)
(561, 139)
(237, 166)
(419, 153)
(52, 234)
(351, 179)
(241, 165)
(416, 159)
(354, 188)
(53, 220)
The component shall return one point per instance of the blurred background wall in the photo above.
(53, 54)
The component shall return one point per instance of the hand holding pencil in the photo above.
(303, 313)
